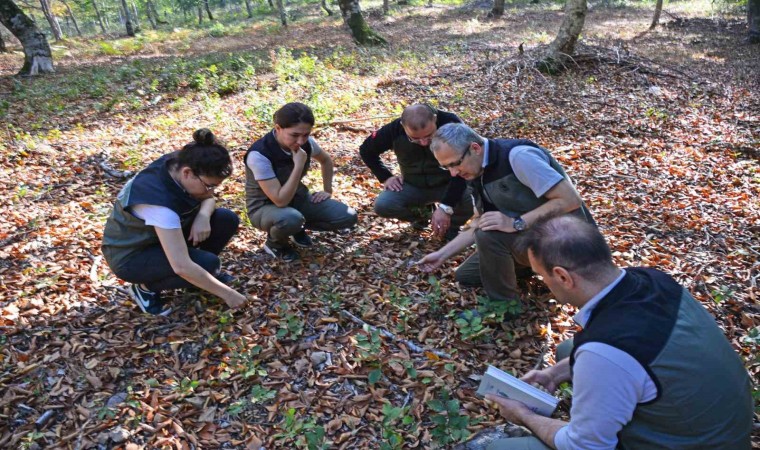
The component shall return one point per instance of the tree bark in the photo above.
(200, 15)
(386, 7)
(54, 25)
(3, 48)
(208, 10)
(73, 19)
(152, 18)
(283, 12)
(657, 12)
(127, 19)
(498, 8)
(753, 21)
(329, 12)
(100, 18)
(249, 9)
(135, 17)
(563, 46)
(37, 56)
(360, 30)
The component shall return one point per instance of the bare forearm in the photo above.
(200, 278)
(544, 428)
(327, 176)
(208, 207)
(288, 190)
(463, 240)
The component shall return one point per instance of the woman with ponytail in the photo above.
(165, 231)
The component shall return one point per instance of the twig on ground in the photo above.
(411, 345)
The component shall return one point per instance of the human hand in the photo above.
(200, 230)
(320, 196)
(541, 377)
(235, 300)
(496, 221)
(395, 184)
(431, 262)
(440, 222)
(512, 410)
(299, 158)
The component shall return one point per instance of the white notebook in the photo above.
(498, 382)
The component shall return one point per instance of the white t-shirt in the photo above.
(261, 166)
(157, 216)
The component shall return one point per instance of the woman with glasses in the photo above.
(165, 231)
(277, 200)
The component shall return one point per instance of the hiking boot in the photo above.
(301, 239)
(283, 252)
(149, 302)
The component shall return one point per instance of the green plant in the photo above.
(722, 293)
(470, 325)
(369, 344)
(302, 434)
(498, 311)
(27, 442)
(185, 386)
(433, 297)
(290, 324)
(392, 438)
(450, 425)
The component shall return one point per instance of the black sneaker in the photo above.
(225, 278)
(301, 239)
(149, 302)
(285, 253)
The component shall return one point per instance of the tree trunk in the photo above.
(498, 9)
(208, 10)
(100, 18)
(386, 7)
(563, 45)
(127, 19)
(249, 9)
(54, 26)
(3, 48)
(37, 56)
(73, 19)
(151, 17)
(753, 21)
(329, 12)
(200, 15)
(135, 17)
(657, 12)
(360, 30)
(156, 16)
(283, 12)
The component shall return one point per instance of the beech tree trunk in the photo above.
(73, 19)
(329, 12)
(151, 17)
(127, 19)
(100, 17)
(657, 12)
(55, 27)
(283, 12)
(498, 8)
(200, 15)
(360, 30)
(753, 21)
(249, 9)
(563, 46)
(37, 56)
(386, 7)
(135, 17)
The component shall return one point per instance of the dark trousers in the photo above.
(398, 205)
(151, 266)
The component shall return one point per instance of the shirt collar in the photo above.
(485, 152)
(581, 318)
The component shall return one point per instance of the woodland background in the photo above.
(659, 128)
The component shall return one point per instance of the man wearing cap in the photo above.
(421, 181)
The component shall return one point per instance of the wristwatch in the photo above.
(519, 224)
(446, 208)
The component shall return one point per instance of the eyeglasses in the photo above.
(456, 163)
(419, 141)
(209, 187)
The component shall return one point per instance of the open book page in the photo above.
(498, 382)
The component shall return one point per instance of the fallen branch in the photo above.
(110, 171)
(411, 345)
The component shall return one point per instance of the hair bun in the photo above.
(204, 136)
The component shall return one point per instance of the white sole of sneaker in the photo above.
(269, 251)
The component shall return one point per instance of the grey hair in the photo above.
(457, 136)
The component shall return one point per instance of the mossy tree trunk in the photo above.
(498, 8)
(360, 30)
(208, 10)
(563, 46)
(55, 27)
(127, 19)
(37, 56)
(753, 21)
(99, 16)
(249, 9)
(329, 12)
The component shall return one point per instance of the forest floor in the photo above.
(659, 130)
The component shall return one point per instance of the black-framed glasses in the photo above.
(209, 187)
(456, 163)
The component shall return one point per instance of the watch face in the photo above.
(519, 224)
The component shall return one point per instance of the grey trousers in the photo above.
(398, 205)
(281, 223)
(499, 256)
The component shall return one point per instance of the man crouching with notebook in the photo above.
(650, 369)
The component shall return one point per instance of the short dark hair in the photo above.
(569, 242)
(292, 114)
(418, 116)
(205, 156)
